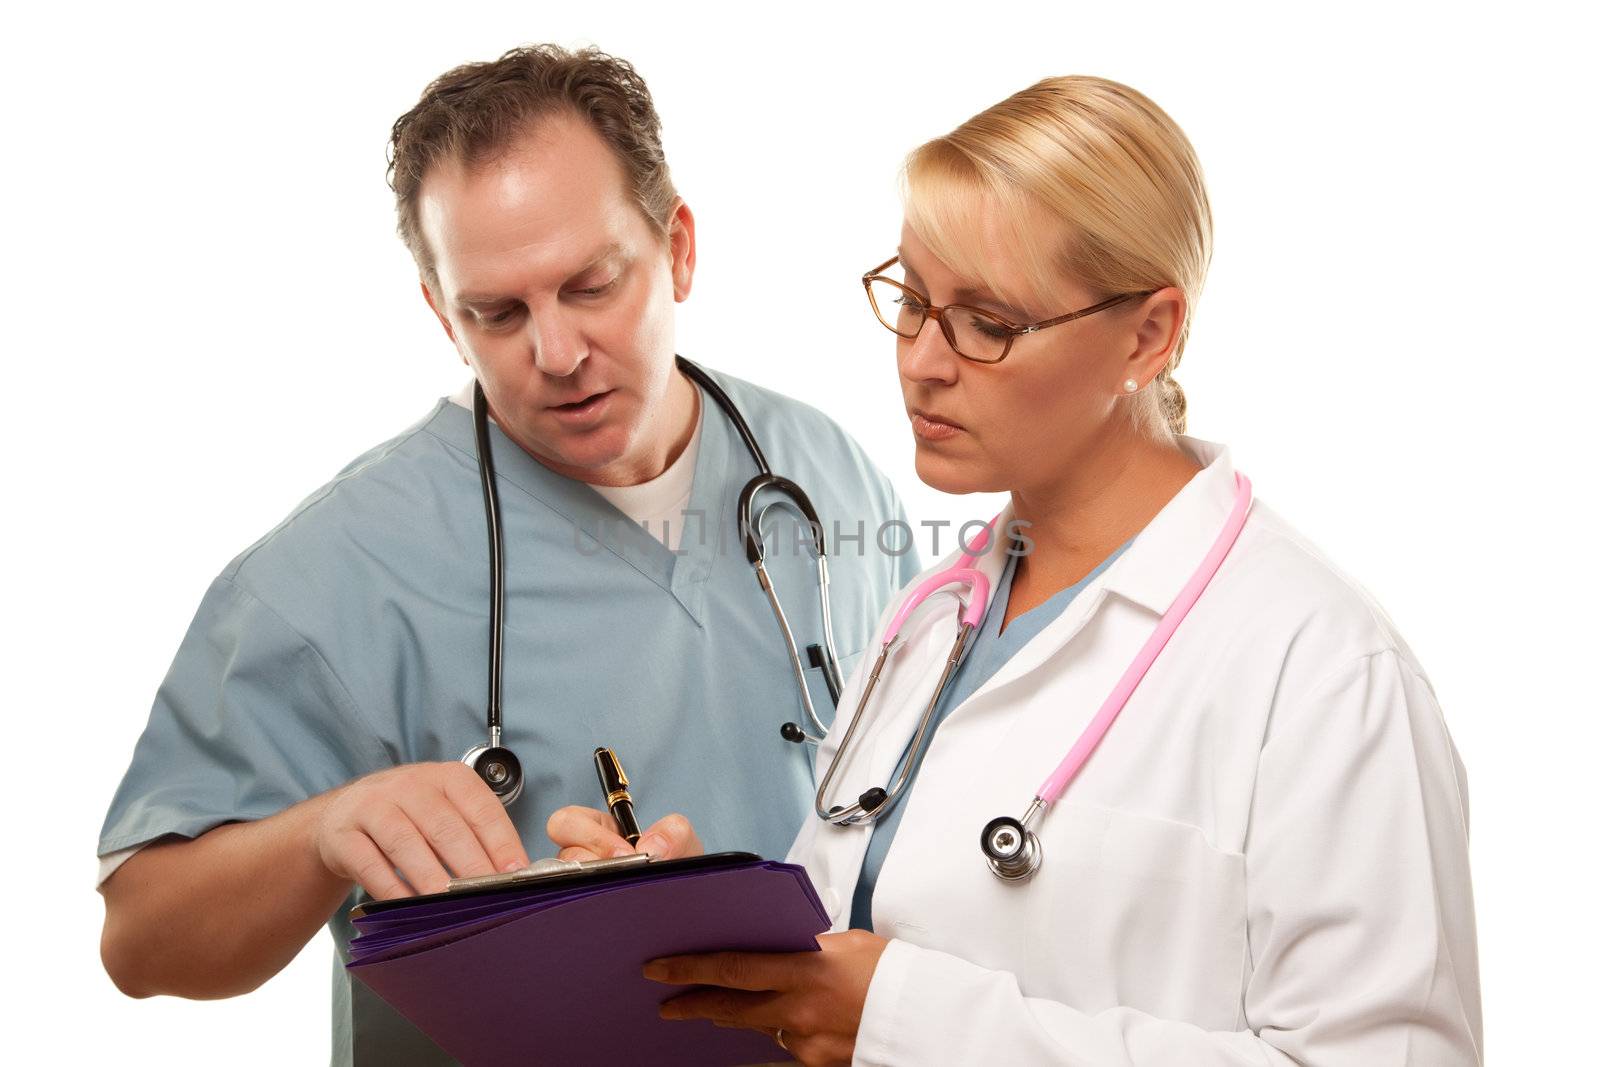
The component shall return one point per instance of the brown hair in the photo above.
(474, 112)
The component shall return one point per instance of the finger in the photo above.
(754, 971)
(487, 817)
(671, 838)
(366, 865)
(404, 847)
(728, 1007)
(572, 852)
(448, 834)
(586, 828)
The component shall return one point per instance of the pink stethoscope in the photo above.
(1010, 846)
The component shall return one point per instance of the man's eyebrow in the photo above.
(612, 251)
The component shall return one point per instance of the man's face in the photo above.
(558, 293)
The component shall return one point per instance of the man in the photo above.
(305, 746)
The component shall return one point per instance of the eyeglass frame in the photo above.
(930, 310)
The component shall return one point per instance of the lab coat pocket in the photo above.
(1138, 912)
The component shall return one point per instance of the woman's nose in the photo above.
(928, 356)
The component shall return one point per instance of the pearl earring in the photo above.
(1130, 386)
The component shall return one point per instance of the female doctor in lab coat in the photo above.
(1265, 859)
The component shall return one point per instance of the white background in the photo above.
(207, 314)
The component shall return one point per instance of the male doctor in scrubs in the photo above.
(305, 746)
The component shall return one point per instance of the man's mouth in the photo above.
(579, 410)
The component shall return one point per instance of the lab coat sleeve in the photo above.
(1361, 941)
(249, 720)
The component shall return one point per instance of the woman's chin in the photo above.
(958, 477)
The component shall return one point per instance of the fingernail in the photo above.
(512, 865)
(669, 1010)
(621, 850)
(655, 971)
(654, 844)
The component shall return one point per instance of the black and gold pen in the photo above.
(614, 783)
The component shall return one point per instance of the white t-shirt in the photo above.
(656, 505)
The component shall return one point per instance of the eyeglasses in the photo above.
(973, 333)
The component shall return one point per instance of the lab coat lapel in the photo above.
(1150, 574)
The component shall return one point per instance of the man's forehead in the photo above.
(555, 201)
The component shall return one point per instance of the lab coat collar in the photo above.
(1162, 559)
(1164, 555)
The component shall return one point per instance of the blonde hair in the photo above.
(1074, 176)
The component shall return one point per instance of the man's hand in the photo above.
(588, 834)
(431, 821)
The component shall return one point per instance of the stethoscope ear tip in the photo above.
(791, 731)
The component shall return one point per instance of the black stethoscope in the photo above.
(495, 763)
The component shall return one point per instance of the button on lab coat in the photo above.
(1265, 862)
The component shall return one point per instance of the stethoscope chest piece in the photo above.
(499, 768)
(1012, 851)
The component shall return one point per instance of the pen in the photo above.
(614, 783)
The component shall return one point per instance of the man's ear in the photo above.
(680, 244)
(433, 305)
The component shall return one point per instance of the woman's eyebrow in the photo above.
(968, 295)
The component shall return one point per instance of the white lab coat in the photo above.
(1264, 863)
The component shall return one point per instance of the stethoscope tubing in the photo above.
(1027, 853)
(1053, 786)
(493, 760)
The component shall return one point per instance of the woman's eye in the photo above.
(988, 327)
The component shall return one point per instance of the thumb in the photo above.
(670, 838)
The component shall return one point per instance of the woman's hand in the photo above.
(813, 998)
(590, 834)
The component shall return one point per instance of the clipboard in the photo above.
(545, 965)
(544, 874)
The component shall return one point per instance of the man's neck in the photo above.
(663, 441)
(668, 431)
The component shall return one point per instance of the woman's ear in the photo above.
(1156, 332)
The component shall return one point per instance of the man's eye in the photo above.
(500, 318)
(595, 290)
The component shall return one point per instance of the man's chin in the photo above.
(584, 457)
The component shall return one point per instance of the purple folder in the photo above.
(550, 971)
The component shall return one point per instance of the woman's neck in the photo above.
(1080, 517)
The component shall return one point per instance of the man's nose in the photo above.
(557, 344)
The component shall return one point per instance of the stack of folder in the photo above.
(548, 969)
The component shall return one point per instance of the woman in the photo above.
(1264, 860)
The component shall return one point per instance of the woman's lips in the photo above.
(587, 410)
(931, 427)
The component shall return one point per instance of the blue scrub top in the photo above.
(991, 649)
(354, 637)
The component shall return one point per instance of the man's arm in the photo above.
(218, 915)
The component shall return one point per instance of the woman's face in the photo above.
(1022, 423)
